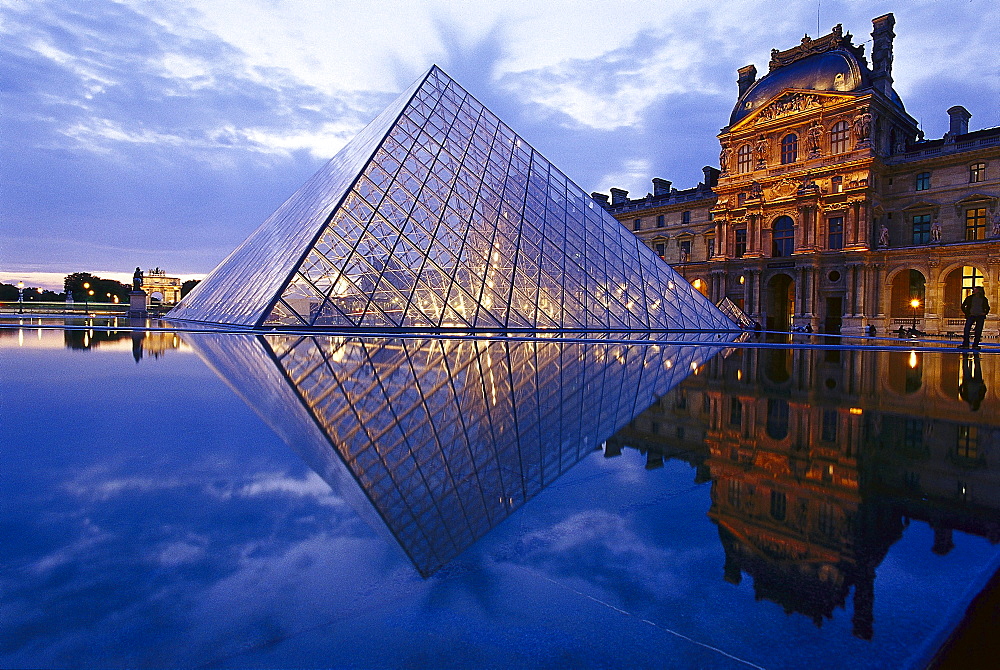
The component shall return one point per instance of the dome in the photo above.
(836, 70)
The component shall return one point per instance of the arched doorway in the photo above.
(958, 284)
(780, 302)
(701, 286)
(908, 286)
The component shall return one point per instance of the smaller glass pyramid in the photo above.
(439, 216)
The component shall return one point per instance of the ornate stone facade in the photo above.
(830, 208)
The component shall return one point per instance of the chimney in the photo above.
(882, 37)
(748, 75)
(959, 121)
(618, 196)
(661, 186)
(711, 176)
(601, 198)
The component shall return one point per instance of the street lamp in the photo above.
(86, 292)
(20, 297)
(915, 303)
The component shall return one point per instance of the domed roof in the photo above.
(836, 70)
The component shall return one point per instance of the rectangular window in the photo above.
(836, 232)
(741, 243)
(741, 199)
(913, 434)
(977, 173)
(923, 181)
(922, 229)
(659, 221)
(637, 224)
(778, 505)
(661, 249)
(975, 224)
(968, 442)
(837, 184)
(971, 278)
(828, 432)
(685, 250)
(686, 217)
(736, 412)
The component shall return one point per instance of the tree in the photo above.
(101, 287)
(188, 285)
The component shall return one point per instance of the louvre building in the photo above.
(829, 208)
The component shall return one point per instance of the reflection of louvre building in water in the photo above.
(445, 438)
(830, 209)
(438, 215)
(819, 459)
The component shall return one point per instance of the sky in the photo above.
(161, 133)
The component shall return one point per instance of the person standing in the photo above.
(975, 307)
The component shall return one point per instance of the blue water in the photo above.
(152, 518)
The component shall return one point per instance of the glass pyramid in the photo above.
(735, 314)
(438, 215)
(439, 440)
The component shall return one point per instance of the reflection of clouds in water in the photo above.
(141, 555)
(603, 549)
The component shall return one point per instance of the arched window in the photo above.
(744, 159)
(783, 235)
(840, 135)
(789, 148)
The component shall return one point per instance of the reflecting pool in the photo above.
(198, 499)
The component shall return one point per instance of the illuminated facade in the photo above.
(443, 438)
(438, 215)
(830, 209)
(819, 459)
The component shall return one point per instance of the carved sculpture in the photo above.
(883, 237)
(813, 137)
(936, 231)
(995, 231)
(762, 151)
(724, 157)
(863, 127)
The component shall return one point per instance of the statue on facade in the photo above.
(863, 127)
(936, 231)
(883, 237)
(137, 280)
(762, 150)
(724, 158)
(995, 230)
(813, 137)
(756, 191)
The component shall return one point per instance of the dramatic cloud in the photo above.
(160, 133)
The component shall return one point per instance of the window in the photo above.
(968, 442)
(789, 148)
(741, 199)
(744, 159)
(839, 136)
(637, 224)
(736, 412)
(837, 184)
(922, 229)
(686, 217)
(977, 173)
(828, 432)
(777, 418)
(783, 236)
(710, 246)
(971, 278)
(835, 227)
(975, 224)
(659, 221)
(923, 181)
(741, 243)
(661, 249)
(778, 504)
(913, 435)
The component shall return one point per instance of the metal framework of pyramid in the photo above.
(438, 216)
(444, 438)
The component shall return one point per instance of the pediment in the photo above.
(921, 204)
(791, 102)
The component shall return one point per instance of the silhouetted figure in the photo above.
(137, 280)
(973, 389)
(870, 330)
(975, 307)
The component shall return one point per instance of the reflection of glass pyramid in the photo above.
(735, 314)
(437, 215)
(444, 437)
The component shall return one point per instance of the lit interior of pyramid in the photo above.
(439, 216)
